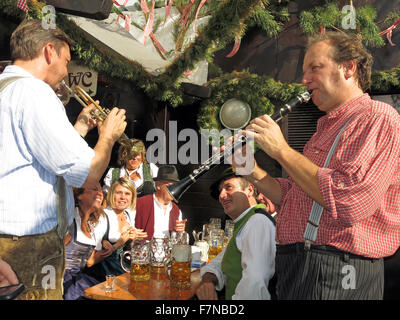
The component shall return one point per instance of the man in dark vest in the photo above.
(246, 265)
(156, 213)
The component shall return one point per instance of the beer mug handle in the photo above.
(122, 261)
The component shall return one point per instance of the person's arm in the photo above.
(109, 132)
(265, 184)
(214, 267)
(99, 255)
(268, 135)
(206, 289)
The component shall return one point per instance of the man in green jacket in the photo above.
(246, 265)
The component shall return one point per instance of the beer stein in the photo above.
(140, 260)
(181, 266)
(160, 254)
(228, 231)
(215, 222)
(206, 231)
(203, 245)
(216, 243)
(179, 237)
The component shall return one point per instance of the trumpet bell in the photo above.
(63, 93)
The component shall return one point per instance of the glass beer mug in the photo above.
(160, 255)
(216, 242)
(140, 260)
(181, 266)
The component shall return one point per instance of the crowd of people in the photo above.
(338, 208)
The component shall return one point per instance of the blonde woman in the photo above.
(121, 199)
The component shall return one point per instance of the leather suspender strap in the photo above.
(310, 235)
(5, 82)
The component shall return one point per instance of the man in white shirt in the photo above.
(42, 157)
(156, 213)
(247, 264)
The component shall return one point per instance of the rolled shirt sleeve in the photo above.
(361, 177)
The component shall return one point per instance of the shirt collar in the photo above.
(159, 204)
(242, 214)
(139, 170)
(13, 69)
(351, 107)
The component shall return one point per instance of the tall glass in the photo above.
(216, 243)
(181, 266)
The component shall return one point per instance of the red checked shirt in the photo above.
(360, 187)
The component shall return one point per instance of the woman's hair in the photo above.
(345, 47)
(125, 153)
(94, 216)
(30, 37)
(126, 183)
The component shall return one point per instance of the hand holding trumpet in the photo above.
(111, 124)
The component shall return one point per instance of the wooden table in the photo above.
(157, 288)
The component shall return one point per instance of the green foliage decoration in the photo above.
(229, 20)
(260, 92)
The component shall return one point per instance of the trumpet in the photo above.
(178, 189)
(100, 114)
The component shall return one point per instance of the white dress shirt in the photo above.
(256, 241)
(124, 173)
(37, 144)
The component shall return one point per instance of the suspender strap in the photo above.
(310, 235)
(5, 82)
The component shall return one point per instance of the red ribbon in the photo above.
(197, 13)
(235, 48)
(389, 30)
(188, 73)
(120, 5)
(185, 14)
(127, 19)
(157, 44)
(149, 26)
(168, 8)
(143, 5)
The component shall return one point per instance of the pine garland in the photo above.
(229, 20)
(258, 91)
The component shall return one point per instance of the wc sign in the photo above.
(83, 77)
